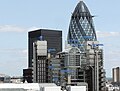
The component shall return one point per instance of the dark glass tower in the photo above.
(81, 26)
(53, 38)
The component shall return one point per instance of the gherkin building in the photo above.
(81, 27)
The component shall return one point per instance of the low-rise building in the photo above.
(4, 78)
(38, 87)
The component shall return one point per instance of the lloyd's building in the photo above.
(82, 60)
(82, 35)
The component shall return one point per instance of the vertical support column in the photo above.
(96, 71)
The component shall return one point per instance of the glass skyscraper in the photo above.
(81, 27)
(53, 38)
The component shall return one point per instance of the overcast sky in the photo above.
(17, 17)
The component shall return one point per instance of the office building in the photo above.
(5, 78)
(40, 62)
(110, 87)
(54, 69)
(116, 74)
(53, 38)
(27, 75)
(17, 79)
(82, 34)
(95, 73)
(54, 45)
(65, 66)
(81, 27)
(82, 60)
(76, 67)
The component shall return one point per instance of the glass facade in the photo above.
(81, 27)
(53, 38)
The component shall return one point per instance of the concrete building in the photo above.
(116, 74)
(110, 87)
(17, 79)
(5, 78)
(40, 62)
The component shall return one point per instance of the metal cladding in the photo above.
(81, 26)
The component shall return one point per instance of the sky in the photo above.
(17, 17)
